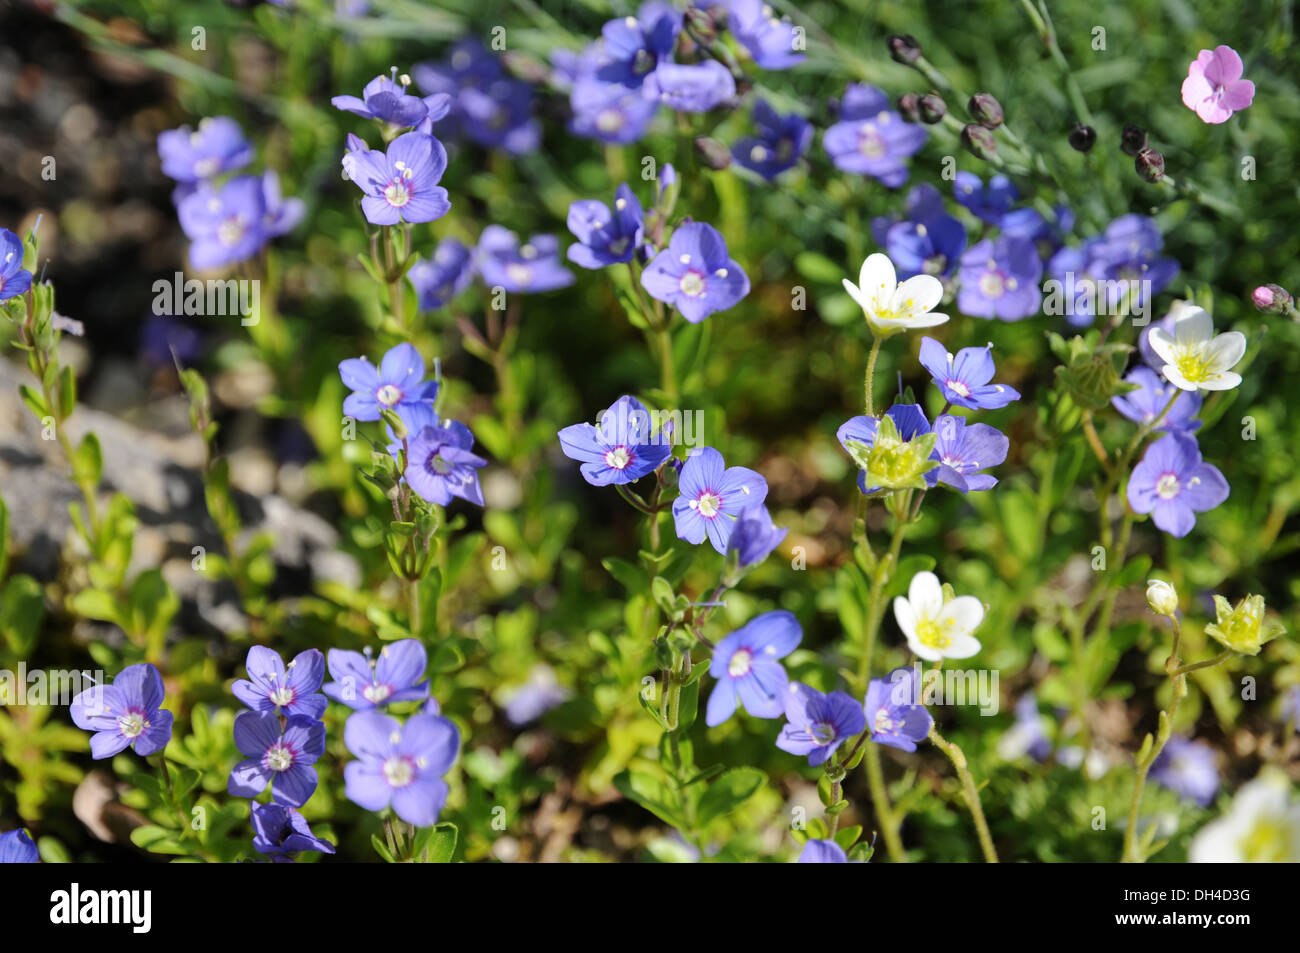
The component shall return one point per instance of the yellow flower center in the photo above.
(929, 634)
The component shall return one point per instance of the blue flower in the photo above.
(999, 279)
(402, 184)
(386, 100)
(870, 138)
(484, 104)
(605, 237)
(822, 852)
(400, 764)
(771, 41)
(781, 140)
(712, 497)
(533, 266)
(442, 277)
(989, 203)
(609, 112)
(280, 215)
(440, 464)
(964, 380)
(1029, 224)
(1173, 484)
(1026, 735)
(398, 384)
(17, 848)
(225, 224)
(636, 46)
(621, 449)
(125, 714)
(962, 450)
(893, 711)
(1144, 404)
(281, 831)
(216, 146)
(396, 676)
(817, 724)
(695, 273)
(1129, 251)
(755, 536)
(528, 702)
(928, 241)
(276, 753)
(271, 686)
(14, 279)
(746, 667)
(692, 88)
(1187, 768)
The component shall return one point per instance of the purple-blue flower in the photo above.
(1173, 484)
(909, 419)
(397, 384)
(443, 276)
(755, 536)
(989, 203)
(125, 714)
(822, 852)
(894, 714)
(695, 273)
(14, 279)
(690, 87)
(621, 449)
(781, 140)
(281, 831)
(280, 757)
(746, 667)
(964, 379)
(528, 702)
(440, 464)
(1028, 223)
(1144, 404)
(634, 47)
(606, 237)
(216, 146)
(712, 496)
(402, 184)
(1188, 768)
(396, 676)
(533, 266)
(774, 43)
(271, 686)
(817, 724)
(870, 138)
(999, 279)
(1128, 251)
(387, 100)
(280, 215)
(17, 848)
(609, 112)
(1026, 735)
(225, 224)
(400, 765)
(928, 241)
(963, 450)
(484, 105)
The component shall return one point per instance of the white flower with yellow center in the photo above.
(1262, 826)
(1195, 357)
(936, 629)
(890, 307)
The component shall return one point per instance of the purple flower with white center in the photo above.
(609, 112)
(605, 237)
(386, 100)
(999, 279)
(712, 496)
(964, 379)
(225, 224)
(962, 450)
(444, 276)
(440, 464)
(746, 667)
(397, 384)
(634, 47)
(989, 203)
(690, 88)
(780, 142)
(909, 419)
(125, 714)
(822, 852)
(271, 686)
(14, 279)
(216, 146)
(402, 184)
(1189, 769)
(621, 449)
(773, 42)
(1128, 251)
(1173, 484)
(527, 702)
(930, 247)
(281, 214)
(817, 724)
(400, 765)
(1143, 405)
(281, 758)
(1028, 223)
(895, 716)
(1026, 735)
(695, 273)
(755, 536)
(363, 683)
(484, 104)
(281, 831)
(533, 266)
(870, 138)
(17, 848)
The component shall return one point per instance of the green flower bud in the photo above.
(933, 108)
(1243, 627)
(985, 110)
(1271, 299)
(1150, 165)
(908, 107)
(1162, 598)
(904, 48)
(978, 141)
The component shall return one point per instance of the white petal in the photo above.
(925, 594)
(962, 616)
(1175, 377)
(878, 281)
(962, 646)
(856, 294)
(1226, 350)
(923, 651)
(1162, 343)
(1225, 380)
(905, 616)
(917, 295)
(1193, 326)
(925, 320)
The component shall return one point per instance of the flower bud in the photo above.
(1162, 598)
(985, 110)
(1132, 140)
(1271, 299)
(908, 107)
(1242, 628)
(933, 108)
(978, 141)
(1150, 165)
(904, 48)
(716, 154)
(1082, 138)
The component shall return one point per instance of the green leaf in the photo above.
(633, 578)
(156, 840)
(652, 794)
(732, 789)
(440, 842)
(382, 849)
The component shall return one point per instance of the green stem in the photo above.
(969, 792)
(870, 382)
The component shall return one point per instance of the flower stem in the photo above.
(969, 792)
(869, 383)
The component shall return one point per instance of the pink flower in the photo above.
(1214, 89)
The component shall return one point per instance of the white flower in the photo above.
(1195, 357)
(936, 630)
(1262, 826)
(1162, 598)
(890, 307)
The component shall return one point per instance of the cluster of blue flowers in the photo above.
(14, 278)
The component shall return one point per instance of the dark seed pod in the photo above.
(978, 141)
(1150, 165)
(933, 108)
(904, 48)
(1132, 140)
(1082, 138)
